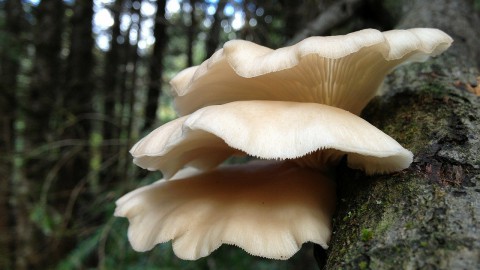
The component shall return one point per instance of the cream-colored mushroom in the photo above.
(270, 104)
(269, 209)
(341, 71)
(311, 134)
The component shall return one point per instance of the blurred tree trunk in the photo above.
(10, 55)
(337, 13)
(292, 18)
(37, 109)
(156, 66)
(79, 91)
(77, 98)
(110, 91)
(127, 92)
(191, 33)
(426, 217)
(213, 36)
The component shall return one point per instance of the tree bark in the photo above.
(427, 216)
(155, 66)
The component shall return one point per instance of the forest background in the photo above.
(81, 81)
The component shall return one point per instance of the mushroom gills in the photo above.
(311, 134)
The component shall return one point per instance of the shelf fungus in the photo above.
(296, 109)
(266, 208)
(341, 71)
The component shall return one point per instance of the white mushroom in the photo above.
(296, 104)
(270, 130)
(269, 209)
(341, 71)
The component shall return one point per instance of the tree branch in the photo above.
(335, 14)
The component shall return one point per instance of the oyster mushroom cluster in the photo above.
(296, 110)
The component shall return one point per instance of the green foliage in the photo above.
(46, 218)
(76, 258)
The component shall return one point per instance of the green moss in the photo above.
(384, 224)
(409, 225)
(347, 216)
(364, 209)
(366, 234)
(433, 87)
(363, 265)
(424, 244)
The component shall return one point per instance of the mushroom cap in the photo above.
(269, 130)
(269, 209)
(342, 71)
(173, 145)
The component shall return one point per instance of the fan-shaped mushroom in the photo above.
(297, 104)
(269, 209)
(340, 71)
(311, 134)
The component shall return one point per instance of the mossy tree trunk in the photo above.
(428, 216)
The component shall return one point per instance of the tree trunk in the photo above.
(127, 95)
(10, 55)
(75, 126)
(155, 66)
(191, 32)
(425, 217)
(78, 98)
(213, 36)
(111, 91)
(335, 14)
(36, 107)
